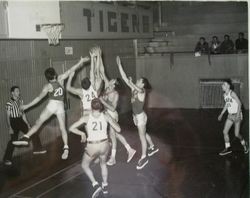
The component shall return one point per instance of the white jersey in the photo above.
(231, 104)
(88, 96)
(96, 128)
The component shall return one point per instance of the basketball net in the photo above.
(53, 31)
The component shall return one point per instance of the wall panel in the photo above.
(177, 86)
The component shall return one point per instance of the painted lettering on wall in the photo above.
(113, 17)
(97, 20)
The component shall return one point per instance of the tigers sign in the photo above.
(93, 20)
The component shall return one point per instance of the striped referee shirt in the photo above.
(13, 106)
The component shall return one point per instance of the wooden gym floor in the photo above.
(187, 165)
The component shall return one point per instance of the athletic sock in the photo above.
(113, 152)
(26, 136)
(66, 147)
(94, 183)
(128, 147)
(227, 144)
(243, 143)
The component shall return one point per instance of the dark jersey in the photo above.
(57, 93)
(137, 105)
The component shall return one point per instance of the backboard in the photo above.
(24, 18)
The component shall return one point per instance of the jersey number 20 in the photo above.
(58, 92)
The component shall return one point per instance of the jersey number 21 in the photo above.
(97, 126)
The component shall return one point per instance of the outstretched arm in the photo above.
(102, 71)
(73, 68)
(127, 80)
(123, 74)
(100, 67)
(97, 66)
(92, 65)
(97, 74)
(38, 98)
(71, 89)
(95, 78)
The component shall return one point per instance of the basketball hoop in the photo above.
(53, 31)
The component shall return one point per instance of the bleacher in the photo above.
(183, 23)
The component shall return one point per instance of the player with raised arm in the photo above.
(55, 106)
(139, 115)
(90, 89)
(110, 99)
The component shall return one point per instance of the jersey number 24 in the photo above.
(90, 97)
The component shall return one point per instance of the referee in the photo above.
(17, 121)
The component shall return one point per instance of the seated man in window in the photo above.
(241, 44)
(215, 45)
(227, 46)
(201, 47)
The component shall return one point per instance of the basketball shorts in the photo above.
(97, 149)
(140, 119)
(234, 118)
(56, 107)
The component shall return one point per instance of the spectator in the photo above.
(241, 44)
(215, 45)
(227, 46)
(201, 47)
